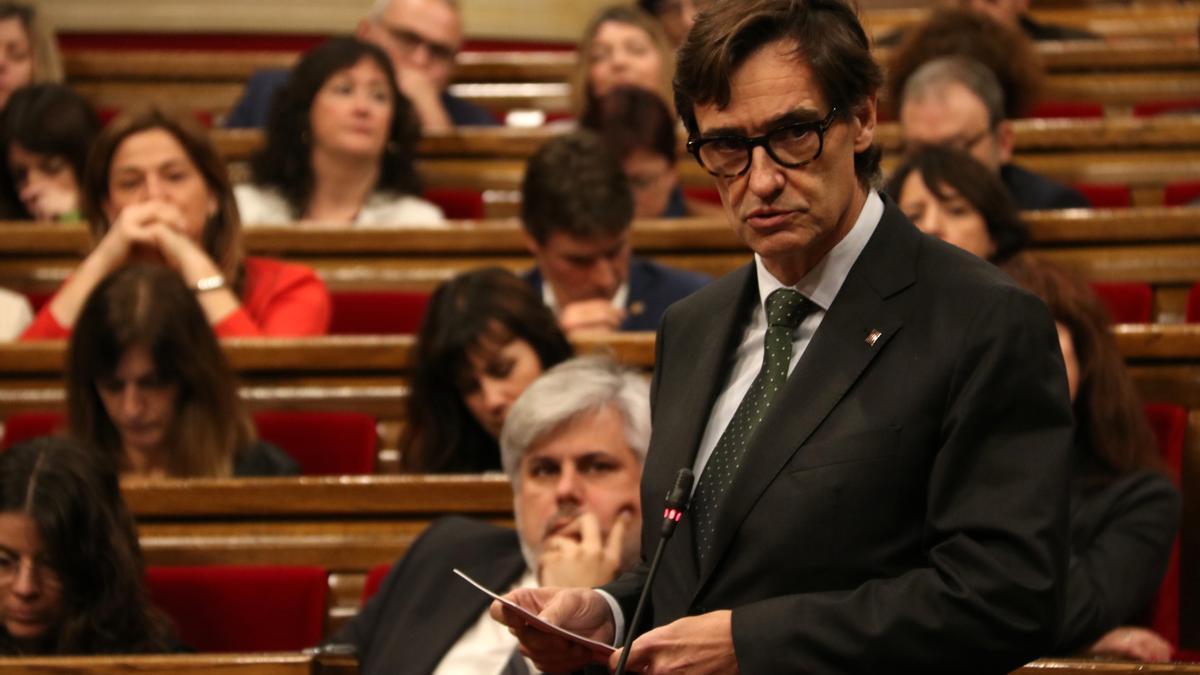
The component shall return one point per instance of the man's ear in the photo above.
(1005, 140)
(864, 128)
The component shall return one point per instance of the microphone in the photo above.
(674, 507)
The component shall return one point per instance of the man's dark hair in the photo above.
(574, 184)
(828, 37)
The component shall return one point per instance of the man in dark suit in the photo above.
(577, 211)
(958, 102)
(879, 422)
(573, 446)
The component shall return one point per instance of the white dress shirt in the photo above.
(487, 646)
(820, 285)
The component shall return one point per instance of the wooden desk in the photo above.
(267, 663)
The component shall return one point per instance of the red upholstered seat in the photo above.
(243, 609)
(324, 443)
(20, 427)
(1106, 195)
(703, 194)
(377, 312)
(1193, 304)
(1181, 193)
(1152, 108)
(457, 203)
(374, 580)
(1169, 423)
(1126, 302)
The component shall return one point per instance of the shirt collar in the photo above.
(822, 283)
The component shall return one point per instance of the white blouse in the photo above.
(260, 206)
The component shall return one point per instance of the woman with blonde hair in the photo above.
(28, 54)
(622, 45)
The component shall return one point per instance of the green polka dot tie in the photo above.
(785, 310)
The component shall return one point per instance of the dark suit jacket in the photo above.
(253, 108)
(652, 288)
(1121, 537)
(903, 505)
(1033, 192)
(423, 608)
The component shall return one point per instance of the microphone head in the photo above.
(678, 497)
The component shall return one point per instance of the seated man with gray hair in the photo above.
(573, 446)
(959, 103)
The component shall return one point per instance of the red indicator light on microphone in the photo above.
(672, 514)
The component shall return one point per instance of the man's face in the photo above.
(585, 466)
(1006, 12)
(421, 35)
(951, 115)
(791, 217)
(582, 269)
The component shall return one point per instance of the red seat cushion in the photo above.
(1126, 302)
(375, 579)
(1193, 304)
(243, 609)
(323, 443)
(703, 194)
(20, 427)
(377, 312)
(457, 203)
(1152, 108)
(1106, 196)
(1181, 193)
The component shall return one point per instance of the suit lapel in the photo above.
(835, 358)
(702, 362)
(463, 604)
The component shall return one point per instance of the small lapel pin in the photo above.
(636, 308)
(873, 337)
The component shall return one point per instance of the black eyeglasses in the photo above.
(410, 42)
(792, 146)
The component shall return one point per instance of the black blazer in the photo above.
(423, 608)
(1121, 537)
(904, 505)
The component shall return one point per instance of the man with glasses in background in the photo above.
(958, 102)
(422, 37)
(879, 424)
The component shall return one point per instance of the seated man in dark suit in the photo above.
(958, 102)
(577, 209)
(422, 37)
(573, 446)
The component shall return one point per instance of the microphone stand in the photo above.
(676, 504)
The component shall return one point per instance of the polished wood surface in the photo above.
(266, 663)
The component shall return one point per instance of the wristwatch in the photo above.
(210, 283)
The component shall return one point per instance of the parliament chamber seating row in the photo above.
(372, 270)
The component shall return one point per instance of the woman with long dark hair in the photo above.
(1125, 511)
(340, 144)
(155, 190)
(486, 336)
(149, 387)
(70, 565)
